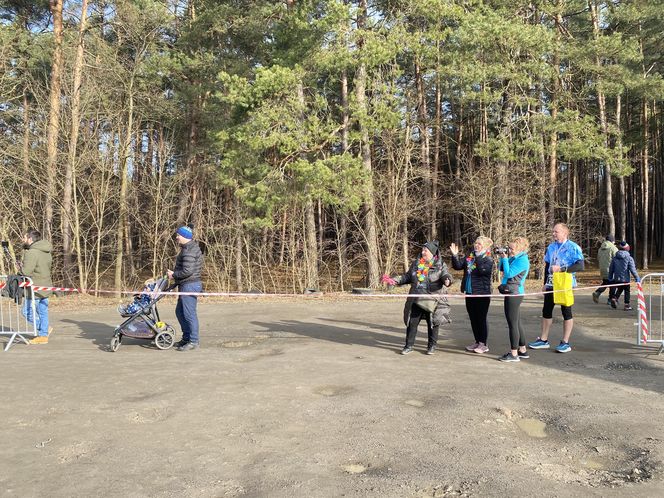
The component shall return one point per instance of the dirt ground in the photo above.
(311, 398)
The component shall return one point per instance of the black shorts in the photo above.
(547, 309)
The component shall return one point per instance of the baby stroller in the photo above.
(143, 320)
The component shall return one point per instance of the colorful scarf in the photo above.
(423, 268)
(471, 264)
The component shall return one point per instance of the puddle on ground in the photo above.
(333, 390)
(532, 427)
(414, 402)
(261, 355)
(591, 464)
(354, 468)
(242, 344)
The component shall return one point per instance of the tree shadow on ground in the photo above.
(392, 340)
(342, 335)
(399, 330)
(448, 339)
(598, 352)
(611, 359)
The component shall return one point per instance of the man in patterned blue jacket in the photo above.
(562, 255)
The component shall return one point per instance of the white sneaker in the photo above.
(481, 349)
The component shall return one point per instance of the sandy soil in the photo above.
(311, 398)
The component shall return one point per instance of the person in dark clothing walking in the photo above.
(187, 275)
(605, 255)
(515, 270)
(621, 267)
(477, 270)
(430, 277)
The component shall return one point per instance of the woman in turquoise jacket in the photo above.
(515, 270)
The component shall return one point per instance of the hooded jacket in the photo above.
(37, 262)
(621, 266)
(604, 256)
(434, 284)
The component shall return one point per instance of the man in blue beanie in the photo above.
(187, 275)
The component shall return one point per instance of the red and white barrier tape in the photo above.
(317, 294)
(42, 288)
(55, 289)
(643, 312)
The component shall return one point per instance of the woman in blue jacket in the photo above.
(515, 270)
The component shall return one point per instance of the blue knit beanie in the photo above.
(185, 232)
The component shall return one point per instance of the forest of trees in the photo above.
(313, 143)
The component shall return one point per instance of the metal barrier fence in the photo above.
(651, 311)
(13, 310)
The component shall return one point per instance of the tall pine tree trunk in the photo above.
(645, 184)
(370, 231)
(25, 158)
(424, 143)
(553, 139)
(238, 248)
(342, 232)
(54, 115)
(404, 196)
(311, 252)
(186, 200)
(122, 228)
(601, 103)
(457, 170)
(622, 220)
(70, 170)
(436, 147)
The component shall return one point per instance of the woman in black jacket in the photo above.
(477, 270)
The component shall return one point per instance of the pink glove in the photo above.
(386, 279)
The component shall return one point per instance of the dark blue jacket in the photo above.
(188, 263)
(622, 265)
(480, 276)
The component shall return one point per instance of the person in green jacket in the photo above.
(37, 262)
(605, 255)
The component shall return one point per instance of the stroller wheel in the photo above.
(116, 340)
(164, 340)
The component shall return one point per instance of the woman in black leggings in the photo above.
(477, 270)
(515, 270)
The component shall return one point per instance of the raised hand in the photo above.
(386, 279)
(454, 249)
